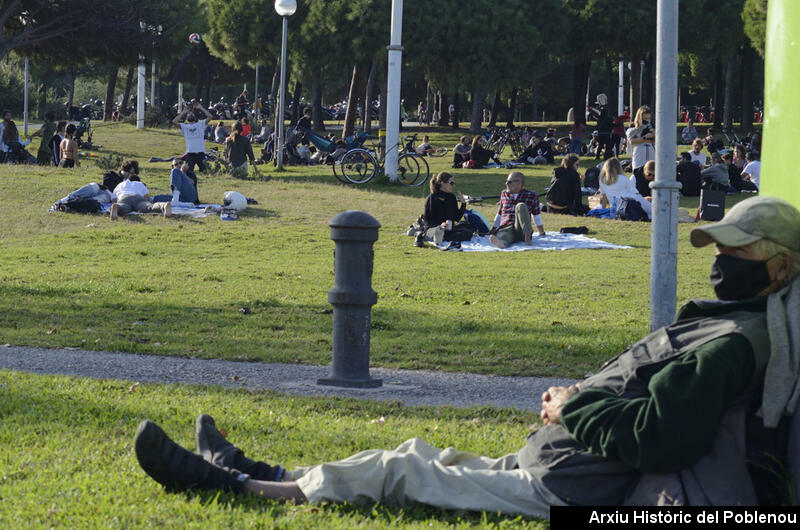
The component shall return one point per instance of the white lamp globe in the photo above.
(285, 8)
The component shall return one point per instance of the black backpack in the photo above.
(80, 205)
(631, 210)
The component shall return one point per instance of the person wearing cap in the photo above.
(666, 421)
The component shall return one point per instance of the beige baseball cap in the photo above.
(750, 220)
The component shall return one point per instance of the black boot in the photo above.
(214, 448)
(177, 469)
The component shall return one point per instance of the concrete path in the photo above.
(409, 387)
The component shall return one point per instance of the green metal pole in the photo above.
(781, 102)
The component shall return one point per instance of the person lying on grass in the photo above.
(670, 411)
(513, 220)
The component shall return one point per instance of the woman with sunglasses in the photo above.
(443, 214)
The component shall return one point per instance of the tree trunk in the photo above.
(717, 90)
(727, 116)
(444, 116)
(373, 74)
(512, 105)
(649, 85)
(493, 111)
(356, 87)
(636, 85)
(580, 84)
(126, 95)
(746, 75)
(535, 103)
(71, 88)
(298, 88)
(478, 102)
(276, 80)
(611, 85)
(428, 106)
(110, 88)
(457, 107)
(41, 102)
(316, 101)
(382, 122)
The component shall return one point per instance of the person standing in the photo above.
(44, 156)
(194, 134)
(641, 139)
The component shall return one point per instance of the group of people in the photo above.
(518, 212)
(58, 145)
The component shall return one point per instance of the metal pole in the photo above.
(140, 95)
(25, 98)
(393, 90)
(621, 89)
(153, 84)
(180, 98)
(256, 113)
(664, 234)
(279, 145)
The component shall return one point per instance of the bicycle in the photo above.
(359, 166)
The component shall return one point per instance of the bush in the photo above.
(152, 119)
(112, 162)
(11, 87)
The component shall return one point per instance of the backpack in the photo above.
(592, 178)
(631, 210)
(110, 180)
(80, 205)
(477, 221)
(469, 164)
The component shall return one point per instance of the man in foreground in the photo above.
(664, 422)
(513, 220)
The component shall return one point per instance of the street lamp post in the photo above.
(140, 89)
(284, 8)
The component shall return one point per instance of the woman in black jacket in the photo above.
(564, 193)
(443, 214)
(479, 154)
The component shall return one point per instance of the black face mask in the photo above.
(738, 278)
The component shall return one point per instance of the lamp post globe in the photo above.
(285, 8)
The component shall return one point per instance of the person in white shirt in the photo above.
(697, 154)
(641, 138)
(752, 171)
(615, 186)
(194, 131)
(131, 195)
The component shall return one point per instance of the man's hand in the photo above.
(553, 400)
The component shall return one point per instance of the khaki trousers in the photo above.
(415, 471)
(522, 225)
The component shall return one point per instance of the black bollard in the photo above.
(352, 298)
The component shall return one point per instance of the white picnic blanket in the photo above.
(550, 241)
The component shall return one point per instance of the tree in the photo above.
(754, 17)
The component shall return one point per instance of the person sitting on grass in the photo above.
(264, 134)
(564, 193)
(69, 149)
(689, 133)
(644, 178)
(425, 148)
(238, 149)
(513, 220)
(461, 152)
(615, 186)
(752, 170)
(697, 154)
(716, 177)
(184, 191)
(538, 151)
(688, 174)
(697, 412)
(131, 195)
(442, 213)
(479, 156)
(220, 133)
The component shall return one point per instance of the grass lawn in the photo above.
(176, 286)
(67, 461)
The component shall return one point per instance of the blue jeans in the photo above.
(576, 146)
(86, 192)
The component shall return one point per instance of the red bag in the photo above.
(469, 164)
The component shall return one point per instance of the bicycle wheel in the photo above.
(412, 170)
(338, 174)
(358, 166)
(439, 151)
